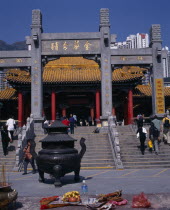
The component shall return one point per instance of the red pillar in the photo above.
(130, 106)
(64, 112)
(113, 111)
(53, 105)
(20, 109)
(92, 113)
(97, 106)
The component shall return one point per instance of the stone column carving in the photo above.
(157, 70)
(106, 72)
(36, 66)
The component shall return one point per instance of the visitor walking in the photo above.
(157, 123)
(29, 155)
(166, 129)
(154, 135)
(72, 121)
(5, 139)
(75, 120)
(139, 120)
(11, 126)
(141, 134)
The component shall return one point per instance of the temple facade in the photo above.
(73, 85)
(64, 73)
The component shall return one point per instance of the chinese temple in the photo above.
(73, 85)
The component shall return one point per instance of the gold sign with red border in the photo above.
(160, 101)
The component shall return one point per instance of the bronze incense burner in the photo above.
(58, 155)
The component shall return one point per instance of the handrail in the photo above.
(114, 140)
(25, 132)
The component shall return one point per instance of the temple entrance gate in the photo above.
(44, 47)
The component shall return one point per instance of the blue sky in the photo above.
(126, 17)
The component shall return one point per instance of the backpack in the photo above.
(166, 123)
(155, 131)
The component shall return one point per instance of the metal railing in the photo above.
(114, 140)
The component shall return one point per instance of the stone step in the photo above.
(97, 164)
(146, 166)
(147, 155)
(154, 162)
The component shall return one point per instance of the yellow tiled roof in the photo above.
(8, 93)
(75, 69)
(146, 90)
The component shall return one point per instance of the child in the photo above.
(150, 145)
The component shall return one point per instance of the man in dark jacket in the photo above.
(5, 139)
(154, 135)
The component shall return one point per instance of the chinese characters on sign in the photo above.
(75, 45)
(160, 104)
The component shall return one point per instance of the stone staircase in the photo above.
(8, 160)
(98, 151)
(131, 155)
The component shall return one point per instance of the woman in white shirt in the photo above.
(11, 127)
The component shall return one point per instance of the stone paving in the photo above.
(153, 182)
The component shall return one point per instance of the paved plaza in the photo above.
(153, 182)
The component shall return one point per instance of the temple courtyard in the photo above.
(153, 182)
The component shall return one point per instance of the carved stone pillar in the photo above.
(36, 70)
(106, 72)
(20, 109)
(158, 101)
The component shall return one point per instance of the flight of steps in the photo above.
(131, 155)
(98, 153)
(8, 160)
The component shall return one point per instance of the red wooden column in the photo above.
(97, 106)
(92, 113)
(64, 113)
(113, 111)
(20, 109)
(130, 106)
(53, 105)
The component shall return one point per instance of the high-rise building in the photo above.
(133, 41)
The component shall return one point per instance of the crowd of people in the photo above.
(157, 129)
(73, 121)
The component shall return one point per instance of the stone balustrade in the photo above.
(114, 140)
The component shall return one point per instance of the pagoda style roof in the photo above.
(138, 91)
(75, 70)
(8, 94)
(146, 90)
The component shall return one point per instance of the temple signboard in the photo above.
(70, 46)
(132, 59)
(160, 106)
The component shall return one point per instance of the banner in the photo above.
(160, 101)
